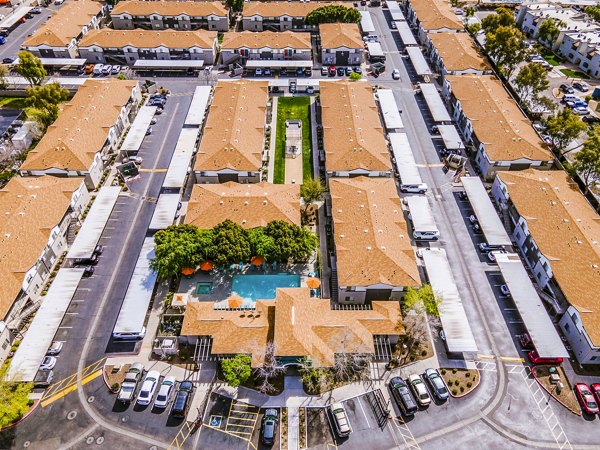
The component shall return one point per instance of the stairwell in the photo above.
(508, 224)
(71, 230)
(334, 286)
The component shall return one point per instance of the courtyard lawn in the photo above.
(551, 58)
(575, 74)
(292, 108)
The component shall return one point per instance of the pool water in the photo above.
(262, 287)
(203, 288)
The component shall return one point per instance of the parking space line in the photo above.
(70, 389)
(363, 411)
(72, 379)
(182, 431)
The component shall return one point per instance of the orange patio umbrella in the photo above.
(188, 270)
(257, 260)
(235, 301)
(206, 265)
(313, 283)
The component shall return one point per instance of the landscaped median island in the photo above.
(548, 376)
(460, 382)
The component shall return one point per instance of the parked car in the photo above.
(159, 110)
(596, 391)
(267, 72)
(88, 69)
(526, 342)
(581, 110)
(166, 387)
(92, 260)
(149, 131)
(472, 218)
(148, 387)
(157, 102)
(348, 70)
(307, 71)
(88, 271)
(539, 126)
(404, 398)
(419, 389)
(492, 255)
(396, 74)
(393, 25)
(153, 121)
(332, 71)
(136, 159)
(535, 359)
(258, 72)
(341, 71)
(132, 378)
(357, 69)
(98, 69)
(99, 249)
(438, 387)
(591, 119)
(54, 348)
(106, 69)
(585, 397)
(48, 363)
(504, 290)
(182, 400)
(581, 86)
(340, 419)
(269, 426)
(8, 60)
(324, 71)
(43, 378)
(476, 228)
(462, 195)
(115, 69)
(567, 89)
(36, 10)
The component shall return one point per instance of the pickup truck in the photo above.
(132, 377)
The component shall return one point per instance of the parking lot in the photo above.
(364, 419)
(230, 424)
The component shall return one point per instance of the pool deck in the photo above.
(222, 280)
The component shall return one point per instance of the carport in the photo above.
(408, 39)
(418, 61)
(164, 213)
(254, 63)
(182, 157)
(137, 132)
(394, 7)
(389, 109)
(421, 214)
(26, 362)
(486, 214)
(404, 159)
(197, 112)
(73, 63)
(542, 331)
(459, 337)
(167, 65)
(435, 103)
(366, 23)
(94, 224)
(10, 22)
(451, 138)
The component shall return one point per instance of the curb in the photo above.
(31, 410)
(577, 413)
(466, 393)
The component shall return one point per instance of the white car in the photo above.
(48, 363)
(136, 159)
(504, 290)
(115, 69)
(396, 74)
(492, 255)
(472, 219)
(55, 348)
(106, 69)
(419, 389)
(164, 392)
(581, 110)
(393, 25)
(148, 387)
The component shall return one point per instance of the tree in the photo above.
(230, 243)
(531, 81)
(563, 128)
(549, 30)
(593, 12)
(474, 28)
(14, 399)
(469, 11)
(235, 5)
(260, 243)
(44, 101)
(180, 246)
(506, 46)
(30, 67)
(268, 370)
(333, 14)
(355, 76)
(415, 334)
(423, 299)
(237, 370)
(3, 73)
(587, 160)
(122, 76)
(312, 190)
(504, 17)
(291, 241)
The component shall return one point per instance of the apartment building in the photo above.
(176, 15)
(267, 45)
(128, 46)
(456, 54)
(278, 16)
(341, 44)
(86, 134)
(432, 16)
(581, 49)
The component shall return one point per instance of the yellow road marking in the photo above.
(152, 170)
(509, 359)
(70, 389)
(231, 434)
(175, 442)
(72, 379)
(245, 418)
(480, 356)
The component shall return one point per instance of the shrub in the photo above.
(424, 353)
(13, 348)
(17, 342)
(115, 387)
(450, 382)
(412, 357)
(443, 371)
(454, 392)
(462, 389)
(468, 374)
(454, 370)
(469, 384)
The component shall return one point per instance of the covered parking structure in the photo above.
(459, 336)
(408, 38)
(542, 331)
(404, 159)
(451, 138)
(154, 65)
(182, 158)
(389, 109)
(137, 132)
(366, 23)
(26, 362)
(94, 224)
(254, 64)
(197, 111)
(418, 60)
(165, 211)
(11, 22)
(435, 103)
(486, 214)
(421, 215)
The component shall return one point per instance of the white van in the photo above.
(371, 38)
(414, 188)
(570, 98)
(98, 69)
(129, 335)
(426, 235)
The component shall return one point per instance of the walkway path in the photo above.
(271, 169)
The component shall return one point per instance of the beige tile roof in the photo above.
(232, 331)
(297, 324)
(459, 52)
(566, 230)
(497, 120)
(29, 208)
(234, 132)
(276, 9)
(170, 8)
(436, 15)
(335, 35)
(371, 236)
(65, 25)
(353, 135)
(82, 127)
(270, 39)
(250, 205)
(107, 37)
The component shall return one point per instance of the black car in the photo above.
(269, 426)
(182, 400)
(88, 271)
(476, 228)
(357, 69)
(92, 260)
(8, 60)
(591, 119)
(98, 249)
(567, 89)
(403, 396)
(437, 385)
(341, 71)
(307, 71)
(581, 86)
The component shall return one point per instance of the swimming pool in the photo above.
(262, 287)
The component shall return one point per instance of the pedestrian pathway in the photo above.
(271, 168)
(293, 431)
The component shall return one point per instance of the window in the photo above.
(567, 328)
(5, 344)
(518, 235)
(347, 299)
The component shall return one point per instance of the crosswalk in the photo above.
(405, 433)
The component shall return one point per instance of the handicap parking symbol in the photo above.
(215, 421)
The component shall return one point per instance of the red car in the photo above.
(585, 397)
(596, 391)
(535, 359)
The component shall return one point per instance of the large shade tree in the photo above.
(230, 243)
